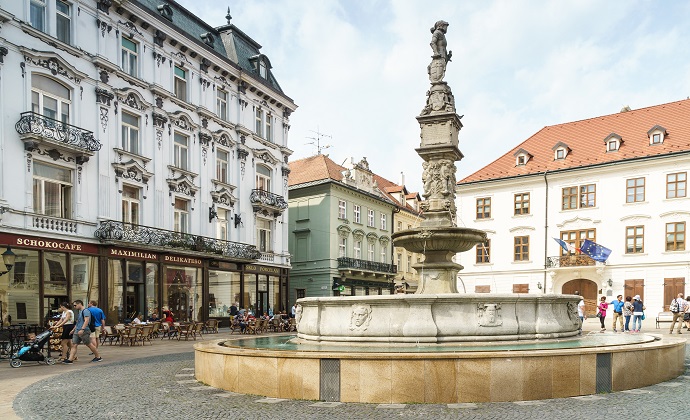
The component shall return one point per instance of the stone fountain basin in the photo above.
(429, 239)
(437, 318)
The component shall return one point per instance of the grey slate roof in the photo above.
(193, 26)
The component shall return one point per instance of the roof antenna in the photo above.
(317, 140)
(228, 17)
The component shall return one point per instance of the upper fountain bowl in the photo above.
(425, 239)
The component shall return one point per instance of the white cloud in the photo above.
(358, 69)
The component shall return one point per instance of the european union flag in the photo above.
(595, 251)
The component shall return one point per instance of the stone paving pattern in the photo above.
(159, 387)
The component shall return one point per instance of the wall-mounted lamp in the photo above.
(212, 213)
(610, 282)
(8, 258)
(539, 285)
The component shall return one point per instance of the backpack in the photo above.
(674, 306)
(92, 320)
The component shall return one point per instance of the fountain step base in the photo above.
(454, 373)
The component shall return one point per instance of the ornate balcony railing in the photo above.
(146, 235)
(569, 261)
(268, 202)
(56, 131)
(356, 264)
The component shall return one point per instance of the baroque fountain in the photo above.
(438, 345)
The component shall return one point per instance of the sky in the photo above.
(357, 69)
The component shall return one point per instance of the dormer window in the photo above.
(522, 156)
(261, 65)
(613, 142)
(560, 150)
(657, 135)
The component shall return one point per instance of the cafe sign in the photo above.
(262, 269)
(132, 254)
(47, 244)
(175, 259)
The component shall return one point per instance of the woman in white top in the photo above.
(67, 323)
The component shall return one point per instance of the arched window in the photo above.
(263, 178)
(50, 98)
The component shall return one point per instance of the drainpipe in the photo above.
(546, 226)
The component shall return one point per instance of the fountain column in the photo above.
(440, 126)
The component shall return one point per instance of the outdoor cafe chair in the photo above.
(186, 331)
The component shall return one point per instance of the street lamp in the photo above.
(8, 258)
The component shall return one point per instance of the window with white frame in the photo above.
(181, 151)
(262, 69)
(37, 14)
(259, 122)
(130, 133)
(358, 249)
(63, 21)
(342, 247)
(357, 211)
(222, 224)
(370, 251)
(263, 178)
(263, 235)
(180, 88)
(181, 216)
(269, 129)
(370, 218)
(222, 165)
(50, 98)
(130, 204)
(383, 221)
(222, 104)
(130, 57)
(52, 190)
(342, 209)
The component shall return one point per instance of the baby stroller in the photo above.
(34, 351)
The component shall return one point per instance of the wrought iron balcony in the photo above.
(569, 261)
(55, 131)
(364, 265)
(267, 202)
(111, 230)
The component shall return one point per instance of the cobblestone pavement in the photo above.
(164, 387)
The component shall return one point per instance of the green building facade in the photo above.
(340, 227)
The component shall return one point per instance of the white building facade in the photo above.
(144, 162)
(618, 180)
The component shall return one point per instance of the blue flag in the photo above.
(595, 251)
(564, 245)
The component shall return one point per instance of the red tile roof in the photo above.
(314, 168)
(321, 167)
(585, 139)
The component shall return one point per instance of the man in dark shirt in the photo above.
(81, 334)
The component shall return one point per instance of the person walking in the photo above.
(627, 312)
(82, 334)
(677, 307)
(66, 321)
(99, 321)
(618, 312)
(602, 308)
(638, 313)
